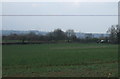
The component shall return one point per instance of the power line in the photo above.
(59, 15)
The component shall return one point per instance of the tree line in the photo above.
(69, 36)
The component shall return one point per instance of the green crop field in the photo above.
(60, 60)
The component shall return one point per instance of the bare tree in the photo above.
(114, 32)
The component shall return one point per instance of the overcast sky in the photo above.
(94, 24)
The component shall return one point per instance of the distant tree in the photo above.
(50, 36)
(58, 34)
(89, 36)
(114, 32)
(31, 36)
(70, 35)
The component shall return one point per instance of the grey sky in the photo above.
(94, 24)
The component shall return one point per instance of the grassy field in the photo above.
(60, 60)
